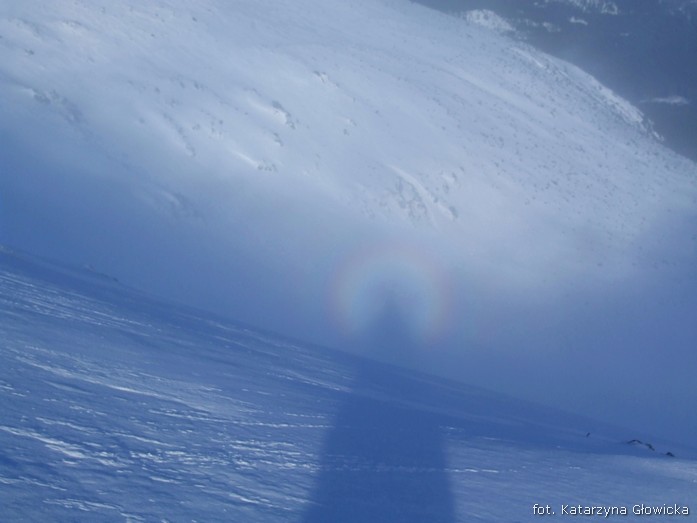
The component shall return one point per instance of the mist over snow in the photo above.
(297, 165)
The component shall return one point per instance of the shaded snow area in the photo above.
(116, 407)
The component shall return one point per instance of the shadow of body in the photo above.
(383, 460)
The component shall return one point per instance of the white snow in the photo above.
(164, 415)
(575, 20)
(252, 156)
(488, 19)
(606, 7)
(669, 100)
(209, 119)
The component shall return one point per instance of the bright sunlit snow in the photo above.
(307, 168)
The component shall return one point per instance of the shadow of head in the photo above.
(390, 336)
(383, 460)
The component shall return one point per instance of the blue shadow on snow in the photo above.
(383, 461)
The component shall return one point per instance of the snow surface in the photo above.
(670, 100)
(488, 19)
(605, 7)
(252, 157)
(214, 122)
(117, 407)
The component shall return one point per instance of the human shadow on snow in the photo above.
(384, 460)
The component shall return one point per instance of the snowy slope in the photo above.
(116, 407)
(642, 50)
(290, 164)
(127, 125)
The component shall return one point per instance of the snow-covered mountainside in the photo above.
(207, 119)
(644, 50)
(116, 407)
(291, 164)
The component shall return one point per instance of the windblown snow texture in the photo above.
(117, 407)
(642, 50)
